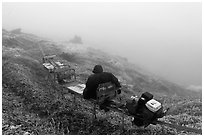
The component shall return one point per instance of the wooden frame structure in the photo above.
(60, 70)
(76, 89)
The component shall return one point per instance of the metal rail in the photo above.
(180, 128)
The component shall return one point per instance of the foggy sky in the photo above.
(164, 38)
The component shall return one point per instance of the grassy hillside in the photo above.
(32, 103)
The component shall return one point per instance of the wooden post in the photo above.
(94, 111)
(123, 122)
(54, 76)
(75, 105)
(123, 116)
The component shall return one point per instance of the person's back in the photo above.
(97, 78)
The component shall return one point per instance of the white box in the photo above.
(153, 105)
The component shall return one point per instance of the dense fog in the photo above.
(164, 38)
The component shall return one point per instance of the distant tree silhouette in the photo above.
(76, 40)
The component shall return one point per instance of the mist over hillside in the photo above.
(163, 37)
(85, 56)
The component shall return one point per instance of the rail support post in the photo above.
(94, 111)
(123, 117)
(75, 104)
(123, 123)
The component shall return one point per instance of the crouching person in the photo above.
(98, 77)
(145, 110)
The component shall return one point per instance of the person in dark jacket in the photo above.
(97, 78)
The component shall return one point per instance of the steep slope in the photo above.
(32, 102)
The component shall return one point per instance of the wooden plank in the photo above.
(48, 66)
(79, 88)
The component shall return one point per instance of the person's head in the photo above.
(97, 69)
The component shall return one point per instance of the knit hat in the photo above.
(98, 69)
